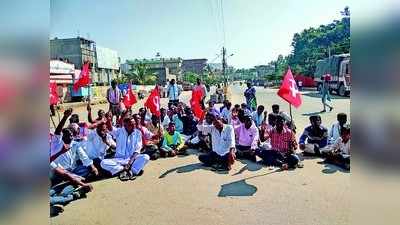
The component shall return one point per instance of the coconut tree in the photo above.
(140, 74)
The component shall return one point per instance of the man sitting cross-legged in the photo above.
(248, 137)
(128, 159)
(314, 138)
(223, 144)
(150, 140)
(99, 144)
(173, 143)
(68, 154)
(283, 144)
(339, 152)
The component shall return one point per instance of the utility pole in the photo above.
(224, 64)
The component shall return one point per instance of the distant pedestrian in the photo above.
(325, 94)
(173, 92)
(200, 86)
(250, 94)
(114, 97)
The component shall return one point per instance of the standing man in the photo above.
(173, 92)
(203, 90)
(250, 95)
(114, 97)
(325, 94)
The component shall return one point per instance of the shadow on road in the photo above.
(249, 165)
(331, 169)
(190, 168)
(317, 95)
(312, 113)
(241, 187)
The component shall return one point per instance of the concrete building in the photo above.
(108, 65)
(194, 65)
(163, 67)
(74, 50)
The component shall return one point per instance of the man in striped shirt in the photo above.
(283, 144)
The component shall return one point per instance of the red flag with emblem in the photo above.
(289, 90)
(84, 78)
(129, 98)
(153, 102)
(53, 95)
(195, 103)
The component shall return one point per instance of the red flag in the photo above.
(153, 102)
(84, 78)
(195, 103)
(130, 98)
(53, 95)
(289, 90)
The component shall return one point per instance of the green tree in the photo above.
(140, 74)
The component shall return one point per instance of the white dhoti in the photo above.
(116, 165)
(310, 148)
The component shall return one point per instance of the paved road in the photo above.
(180, 191)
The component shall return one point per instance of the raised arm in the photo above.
(60, 126)
(89, 109)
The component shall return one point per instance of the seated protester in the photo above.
(80, 128)
(226, 114)
(189, 122)
(65, 153)
(176, 119)
(248, 137)
(127, 162)
(63, 193)
(99, 145)
(259, 116)
(101, 115)
(235, 122)
(288, 121)
(339, 152)
(283, 144)
(145, 116)
(148, 137)
(245, 108)
(334, 132)
(212, 108)
(152, 146)
(173, 143)
(223, 142)
(165, 120)
(237, 107)
(203, 140)
(265, 141)
(314, 137)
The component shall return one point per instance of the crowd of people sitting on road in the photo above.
(104, 147)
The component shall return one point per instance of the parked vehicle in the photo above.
(338, 67)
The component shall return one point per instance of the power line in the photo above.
(223, 21)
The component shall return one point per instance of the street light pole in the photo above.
(224, 64)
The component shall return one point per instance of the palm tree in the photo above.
(140, 74)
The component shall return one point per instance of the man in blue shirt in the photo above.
(173, 92)
(314, 138)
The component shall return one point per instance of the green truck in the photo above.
(338, 67)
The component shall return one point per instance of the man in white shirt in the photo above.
(114, 97)
(98, 144)
(226, 114)
(334, 132)
(223, 144)
(127, 157)
(173, 92)
(258, 116)
(65, 152)
(339, 152)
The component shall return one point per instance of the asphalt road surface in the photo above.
(180, 191)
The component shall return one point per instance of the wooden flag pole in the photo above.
(290, 110)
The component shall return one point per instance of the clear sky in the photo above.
(256, 31)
